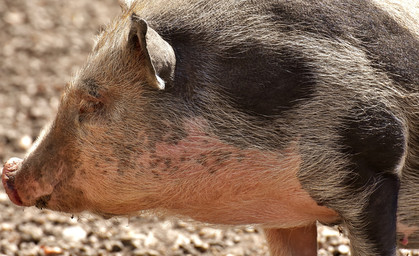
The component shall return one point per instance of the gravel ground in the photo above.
(42, 43)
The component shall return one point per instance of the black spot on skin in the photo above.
(221, 156)
(92, 87)
(175, 135)
(168, 162)
(155, 174)
(138, 174)
(202, 160)
(126, 163)
(120, 172)
(42, 202)
(155, 163)
(174, 168)
(374, 141)
(212, 170)
(240, 157)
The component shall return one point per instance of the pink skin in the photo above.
(407, 231)
(8, 175)
(258, 187)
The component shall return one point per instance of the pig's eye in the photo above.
(89, 109)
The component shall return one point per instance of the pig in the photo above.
(279, 114)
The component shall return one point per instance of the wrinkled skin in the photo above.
(271, 117)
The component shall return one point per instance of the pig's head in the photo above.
(89, 157)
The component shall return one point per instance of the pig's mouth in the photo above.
(8, 180)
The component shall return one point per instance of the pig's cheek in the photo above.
(67, 198)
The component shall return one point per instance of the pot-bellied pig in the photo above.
(273, 113)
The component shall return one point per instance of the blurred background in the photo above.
(42, 43)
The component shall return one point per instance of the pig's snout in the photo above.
(8, 178)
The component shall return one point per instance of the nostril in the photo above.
(11, 165)
(8, 179)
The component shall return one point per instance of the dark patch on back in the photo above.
(374, 141)
(258, 80)
(187, 44)
(265, 82)
(389, 46)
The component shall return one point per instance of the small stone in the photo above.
(31, 232)
(343, 249)
(329, 232)
(14, 18)
(6, 227)
(114, 246)
(331, 249)
(198, 244)
(52, 250)
(322, 252)
(150, 240)
(3, 197)
(211, 233)
(250, 229)
(236, 239)
(74, 233)
(25, 142)
(145, 252)
(334, 240)
(181, 241)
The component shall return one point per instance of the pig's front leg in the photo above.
(374, 142)
(300, 241)
(374, 231)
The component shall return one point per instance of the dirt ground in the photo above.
(42, 43)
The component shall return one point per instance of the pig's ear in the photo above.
(159, 56)
(125, 4)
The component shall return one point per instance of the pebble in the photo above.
(74, 233)
(14, 18)
(211, 233)
(199, 244)
(343, 249)
(30, 232)
(25, 142)
(4, 197)
(52, 250)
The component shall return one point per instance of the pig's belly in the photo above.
(251, 199)
(212, 181)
